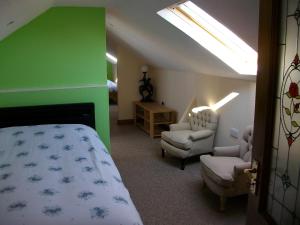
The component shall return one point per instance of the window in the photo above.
(213, 36)
(111, 58)
(217, 105)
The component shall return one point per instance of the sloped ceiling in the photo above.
(16, 13)
(136, 23)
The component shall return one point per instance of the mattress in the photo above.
(112, 86)
(60, 174)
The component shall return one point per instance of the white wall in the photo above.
(115, 72)
(238, 113)
(129, 74)
(177, 89)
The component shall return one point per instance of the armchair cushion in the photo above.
(244, 148)
(248, 156)
(220, 169)
(246, 144)
(201, 134)
(178, 138)
(206, 119)
(239, 168)
(229, 151)
(180, 126)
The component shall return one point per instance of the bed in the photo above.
(59, 173)
(113, 91)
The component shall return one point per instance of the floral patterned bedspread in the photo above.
(60, 175)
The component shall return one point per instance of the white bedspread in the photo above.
(112, 86)
(60, 175)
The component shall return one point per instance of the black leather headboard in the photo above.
(78, 113)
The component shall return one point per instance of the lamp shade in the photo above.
(144, 68)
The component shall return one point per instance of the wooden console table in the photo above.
(153, 118)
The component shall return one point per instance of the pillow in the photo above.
(201, 134)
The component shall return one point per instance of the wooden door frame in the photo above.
(267, 77)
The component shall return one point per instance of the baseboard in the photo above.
(124, 122)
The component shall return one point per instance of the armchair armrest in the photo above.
(239, 169)
(201, 134)
(180, 126)
(230, 151)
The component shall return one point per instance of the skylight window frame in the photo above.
(218, 104)
(111, 58)
(212, 35)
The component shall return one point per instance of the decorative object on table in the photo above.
(146, 88)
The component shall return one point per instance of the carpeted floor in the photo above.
(164, 194)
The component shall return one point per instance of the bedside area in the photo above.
(153, 118)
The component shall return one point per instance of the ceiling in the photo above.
(136, 23)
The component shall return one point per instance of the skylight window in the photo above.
(213, 36)
(217, 105)
(111, 58)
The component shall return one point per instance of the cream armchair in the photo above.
(196, 137)
(223, 172)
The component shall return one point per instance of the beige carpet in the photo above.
(164, 194)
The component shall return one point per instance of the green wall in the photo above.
(64, 47)
(110, 71)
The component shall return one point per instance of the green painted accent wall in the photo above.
(109, 71)
(64, 47)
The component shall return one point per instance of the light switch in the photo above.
(234, 132)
